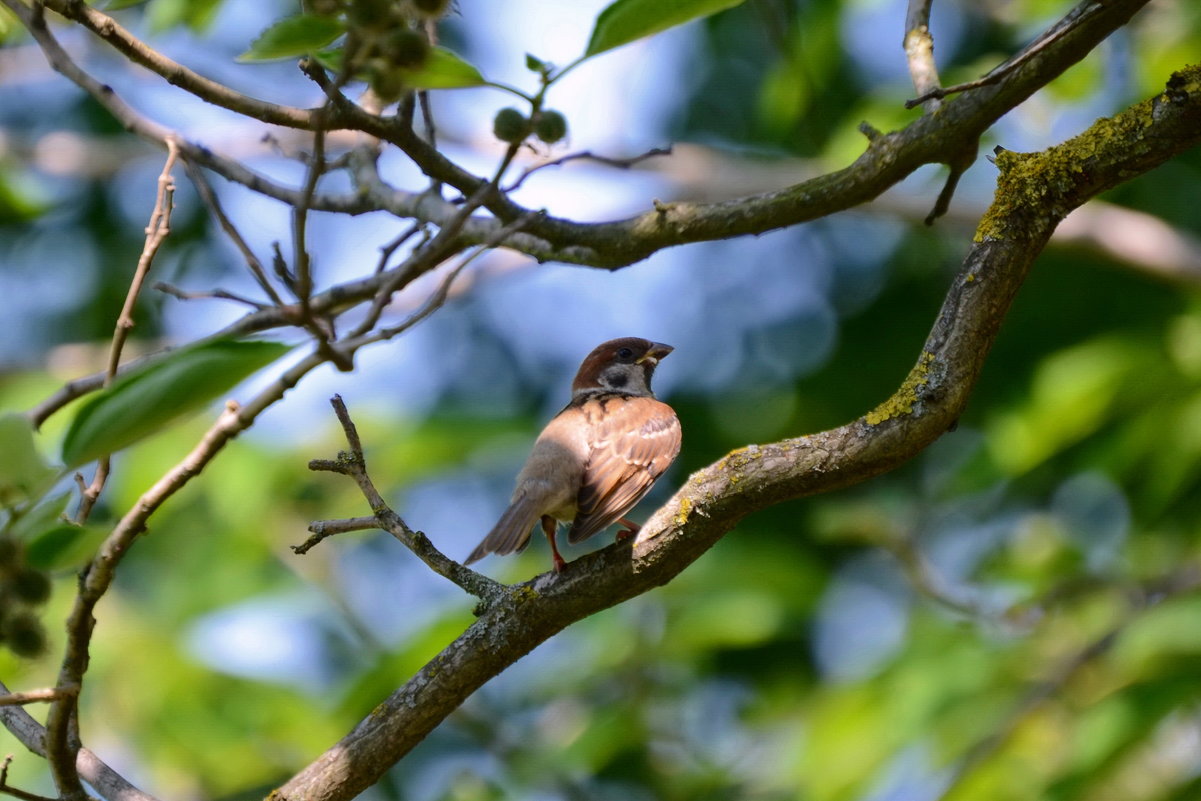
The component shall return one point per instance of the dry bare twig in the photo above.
(36, 696)
(205, 189)
(212, 294)
(919, 52)
(353, 464)
(157, 231)
(588, 155)
(16, 792)
(106, 781)
(1047, 38)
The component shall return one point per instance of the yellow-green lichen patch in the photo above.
(902, 401)
(523, 593)
(735, 461)
(1053, 182)
(681, 517)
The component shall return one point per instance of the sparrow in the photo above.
(597, 457)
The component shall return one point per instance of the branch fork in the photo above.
(353, 464)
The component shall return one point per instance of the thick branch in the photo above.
(934, 138)
(175, 73)
(1034, 193)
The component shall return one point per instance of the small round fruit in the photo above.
(510, 125)
(322, 8)
(550, 127)
(24, 636)
(388, 84)
(10, 553)
(406, 48)
(370, 13)
(31, 586)
(432, 8)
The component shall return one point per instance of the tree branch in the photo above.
(106, 781)
(918, 44)
(35, 696)
(1047, 38)
(156, 232)
(353, 463)
(1034, 193)
(175, 73)
(60, 742)
(932, 139)
(889, 158)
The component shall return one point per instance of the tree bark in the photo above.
(1034, 193)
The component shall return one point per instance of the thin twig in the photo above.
(388, 249)
(139, 52)
(332, 301)
(31, 734)
(327, 528)
(37, 696)
(353, 464)
(620, 163)
(958, 163)
(302, 264)
(428, 252)
(302, 275)
(926, 581)
(438, 298)
(7, 789)
(427, 115)
(1044, 40)
(156, 232)
(919, 51)
(280, 266)
(214, 294)
(919, 55)
(210, 199)
(96, 579)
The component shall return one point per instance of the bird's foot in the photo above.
(631, 528)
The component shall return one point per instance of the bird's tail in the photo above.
(511, 533)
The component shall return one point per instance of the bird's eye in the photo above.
(624, 353)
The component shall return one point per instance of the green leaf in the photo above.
(117, 5)
(23, 471)
(45, 515)
(63, 546)
(198, 15)
(8, 23)
(443, 69)
(533, 63)
(624, 21)
(147, 399)
(331, 58)
(292, 37)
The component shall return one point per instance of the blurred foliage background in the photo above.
(1012, 616)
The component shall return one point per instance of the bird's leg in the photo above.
(631, 528)
(549, 526)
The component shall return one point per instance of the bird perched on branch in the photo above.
(596, 458)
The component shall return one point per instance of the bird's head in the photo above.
(620, 365)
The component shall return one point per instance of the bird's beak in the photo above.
(657, 351)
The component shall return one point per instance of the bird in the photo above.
(597, 457)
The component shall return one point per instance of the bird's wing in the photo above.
(632, 441)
